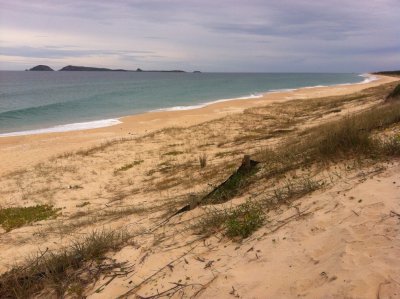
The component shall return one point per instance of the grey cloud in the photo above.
(256, 35)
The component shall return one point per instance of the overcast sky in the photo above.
(217, 35)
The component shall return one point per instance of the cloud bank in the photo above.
(253, 36)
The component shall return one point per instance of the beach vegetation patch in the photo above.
(244, 220)
(11, 218)
(236, 222)
(350, 137)
(53, 274)
(342, 137)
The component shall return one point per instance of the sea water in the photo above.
(40, 102)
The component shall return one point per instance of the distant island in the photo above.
(41, 67)
(74, 68)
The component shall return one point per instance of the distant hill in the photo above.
(164, 71)
(98, 69)
(88, 69)
(41, 67)
(389, 73)
(75, 68)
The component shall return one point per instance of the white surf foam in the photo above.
(368, 78)
(66, 128)
(282, 90)
(202, 105)
(316, 86)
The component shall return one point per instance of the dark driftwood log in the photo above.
(246, 166)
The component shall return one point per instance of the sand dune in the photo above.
(337, 240)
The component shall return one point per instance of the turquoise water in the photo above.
(37, 100)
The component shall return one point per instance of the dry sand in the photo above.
(339, 242)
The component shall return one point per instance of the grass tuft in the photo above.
(244, 220)
(391, 146)
(237, 222)
(203, 160)
(128, 166)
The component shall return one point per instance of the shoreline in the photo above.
(103, 123)
(18, 152)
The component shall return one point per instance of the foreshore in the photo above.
(27, 150)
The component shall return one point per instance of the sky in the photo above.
(213, 36)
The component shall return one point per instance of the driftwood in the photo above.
(245, 168)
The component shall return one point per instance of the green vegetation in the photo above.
(52, 274)
(240, 221)
(244, 220)
(11, 218)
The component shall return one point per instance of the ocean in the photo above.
(40, 102)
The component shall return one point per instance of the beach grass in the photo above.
(346, 138)
(203, 160)
(173, 153)
(128, 166)
(63, 272)
(236, 222)
(244, 220)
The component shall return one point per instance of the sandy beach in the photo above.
(20, 151)
(337, 239)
